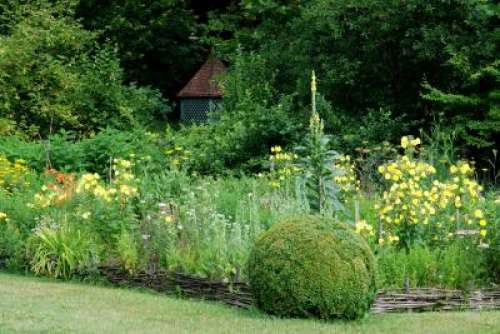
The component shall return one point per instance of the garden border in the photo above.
(238, 293)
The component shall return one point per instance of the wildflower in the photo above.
(404, 142)
(482, 222)
(275, 184)
(86, 215)
(169, 218)
(363, 226)
(483, 233)
(3, 215)
(127, 190)
(394, 238)
(276, 149)
(478, 213)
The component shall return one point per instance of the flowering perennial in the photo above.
(415, 199)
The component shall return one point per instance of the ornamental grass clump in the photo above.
(312, 267)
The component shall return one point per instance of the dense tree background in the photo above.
(385, 67)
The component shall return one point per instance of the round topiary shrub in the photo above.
(309, 266)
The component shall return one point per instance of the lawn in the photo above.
(31, 305)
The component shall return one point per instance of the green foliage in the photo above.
(66, 152)
(474, 106)
(11, 244)
(60, 251)
(318, 170)
(157, 40)
(206, 226)
(54, 76)
(370, 67)
(309, 266)
(253, 118)
(458, 266)
(492, 258)
(127, 252)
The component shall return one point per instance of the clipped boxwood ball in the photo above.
(310, 266)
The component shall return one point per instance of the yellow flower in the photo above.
(86, 215)
(169, 218)
(393, 238)
(483, 233)
(478, 213)
(404, 142)
(275, 184)
(276, 149)
(127, 190)
(415, 142)
(3, 215)
(482, 222)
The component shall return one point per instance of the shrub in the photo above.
(308, 266)
(54, 75)
(66, 151)
(11, 242)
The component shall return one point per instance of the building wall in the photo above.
(196, 110)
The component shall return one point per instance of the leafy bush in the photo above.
(66, 151)
(11, 243)
(54, 75)
(252, 118)
(309, 266)
(371, 68)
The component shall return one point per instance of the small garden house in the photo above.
(201, 94)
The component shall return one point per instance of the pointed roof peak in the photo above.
(202, 84)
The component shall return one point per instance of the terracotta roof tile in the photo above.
(203, 83)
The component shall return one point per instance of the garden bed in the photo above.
(238, 293)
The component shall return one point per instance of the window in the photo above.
(196, 110)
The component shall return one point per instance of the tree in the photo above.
(158, 41)
(471, 104)
(372, 54)
(54, 75)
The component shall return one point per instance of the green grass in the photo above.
(30, 305)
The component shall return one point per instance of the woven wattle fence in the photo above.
(238, 294)
(419, 300)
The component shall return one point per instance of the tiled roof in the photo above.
(203, 83)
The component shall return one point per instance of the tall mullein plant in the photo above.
(316, 182)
